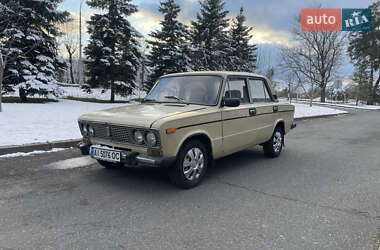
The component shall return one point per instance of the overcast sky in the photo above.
(272, 19)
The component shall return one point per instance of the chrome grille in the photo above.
(118, 133)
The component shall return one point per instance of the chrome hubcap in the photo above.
(193, 164)
(277, 142)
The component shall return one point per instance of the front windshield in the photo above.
(187, 89)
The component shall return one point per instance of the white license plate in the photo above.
(105, 154)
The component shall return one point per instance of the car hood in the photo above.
(140, 115)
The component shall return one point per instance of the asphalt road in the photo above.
(322, 193)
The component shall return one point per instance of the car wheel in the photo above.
(109, 165)
(190, 166)
(273, 147)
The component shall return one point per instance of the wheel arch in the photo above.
(280, 123)
(201, 136)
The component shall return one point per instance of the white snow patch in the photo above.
(72, 163)
(35, 152)
(304, 111)
(32, 123)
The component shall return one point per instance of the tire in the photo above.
(190, 166)
(109, 165)
(273, 147)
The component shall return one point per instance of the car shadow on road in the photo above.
(147, 179)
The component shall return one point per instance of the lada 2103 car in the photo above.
(187, 121)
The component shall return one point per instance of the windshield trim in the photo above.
(210, 105)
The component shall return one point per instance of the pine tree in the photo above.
(242, 54)
(365, 46)
(169, 45)
(113, 54)
(28, 31)
(210, 41)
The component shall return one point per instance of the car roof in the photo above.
(218, 73)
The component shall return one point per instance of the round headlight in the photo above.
(85, 130)
(91, 130)
(151, 139)
(139, 138)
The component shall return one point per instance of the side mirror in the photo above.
(231, 102)
(275, 96)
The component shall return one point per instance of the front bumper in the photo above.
(134, 158)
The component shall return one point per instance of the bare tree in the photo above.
(70, 42)
(316, 55)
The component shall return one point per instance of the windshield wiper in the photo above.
(149, 100)
(175, 98)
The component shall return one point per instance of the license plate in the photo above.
(105, 154)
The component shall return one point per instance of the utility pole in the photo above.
(80, 46)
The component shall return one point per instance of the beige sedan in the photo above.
(187, 121)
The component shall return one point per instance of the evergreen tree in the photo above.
(362, 79)
(169, 45)
(28, 31)
(365, 46)
(113, 55)
(242, 54)
(210, 40)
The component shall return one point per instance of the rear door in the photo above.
(238, 131)
(264, 106)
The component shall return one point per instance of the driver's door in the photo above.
(238, 132)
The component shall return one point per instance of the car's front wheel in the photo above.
(273, 147)
(190, 166)
(109, 165)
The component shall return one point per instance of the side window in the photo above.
(259, 92)
(237, 88)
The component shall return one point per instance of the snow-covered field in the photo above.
(31, 123)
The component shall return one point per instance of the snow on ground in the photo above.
(32, 123)
(362, 106)
(304, 110)
(99, 94)
(35, 152)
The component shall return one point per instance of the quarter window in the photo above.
(258, 91)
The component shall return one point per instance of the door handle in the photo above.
(275, 108)
(252, 111)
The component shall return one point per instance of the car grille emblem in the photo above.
(108, 130)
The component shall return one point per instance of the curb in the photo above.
(26, 148)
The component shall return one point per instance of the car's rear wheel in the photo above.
(190, 166)
(273, 147)
(109, 165)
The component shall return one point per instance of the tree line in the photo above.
(114, 55)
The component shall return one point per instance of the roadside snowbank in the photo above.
(31, 123)
(35, 152)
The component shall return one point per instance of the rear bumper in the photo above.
(134, 158)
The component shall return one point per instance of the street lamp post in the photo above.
(80, 46)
